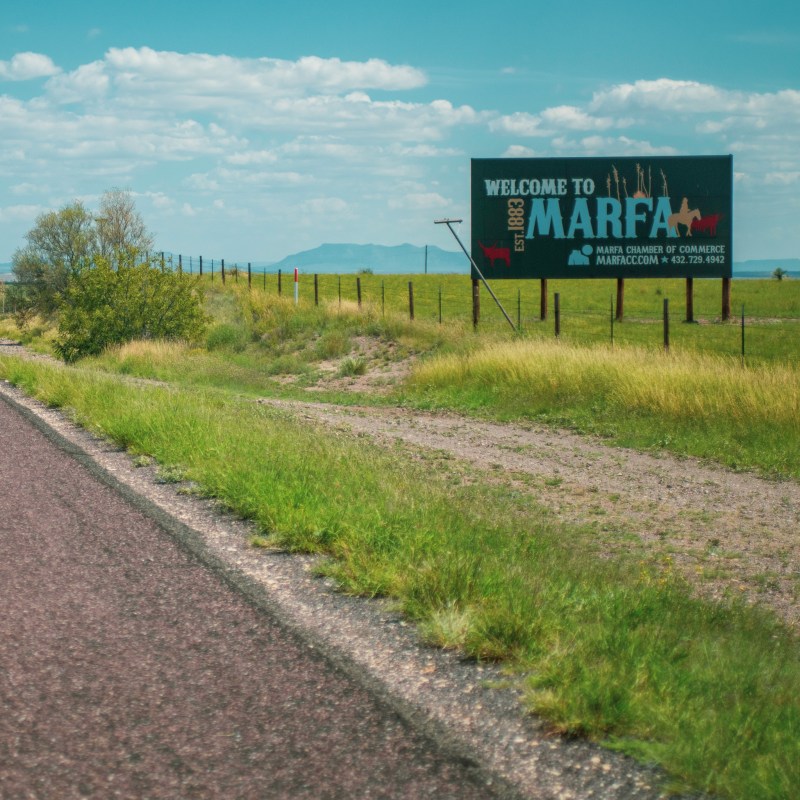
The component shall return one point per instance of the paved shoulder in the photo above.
(129, 669)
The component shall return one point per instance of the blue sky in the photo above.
(251, 130)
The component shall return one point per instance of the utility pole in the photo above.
(449, 223)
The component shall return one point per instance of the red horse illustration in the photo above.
(707, 224)
(495, 253)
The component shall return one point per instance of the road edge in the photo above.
(526, 763)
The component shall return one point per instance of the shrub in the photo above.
(103, 307)
(350, 367)
(779, 273)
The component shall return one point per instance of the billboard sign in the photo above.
(669, 216)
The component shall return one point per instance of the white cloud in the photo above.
(662, 94)
(160, 200)
(519, 151)
(691, 97)
(21, 212)
(610, 146)
(27, 189)
(782, 178)
(247, 157)
(325, 206)
(200, 81)
(550, 121)
(26, 66)
(420, 200)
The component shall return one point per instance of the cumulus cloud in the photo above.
(27, 66)
(144, 88)
(420, 200)
(550, 121)
(667, 117)
(611, 146)
(691, 97)
(21, 213)
(200, 81)
(519, 151)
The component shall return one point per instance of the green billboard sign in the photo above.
(669, 216)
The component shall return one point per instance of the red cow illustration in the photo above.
(707, 224)
(495, 253)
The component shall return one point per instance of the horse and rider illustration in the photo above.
(686, 216)
(693, 220)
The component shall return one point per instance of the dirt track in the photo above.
(727, 532)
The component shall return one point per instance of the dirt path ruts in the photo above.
(727, 532)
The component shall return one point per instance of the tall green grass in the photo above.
(699, 405)
(613, 649)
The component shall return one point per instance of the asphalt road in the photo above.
(128, 669)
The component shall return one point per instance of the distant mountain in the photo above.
(406, 258)
(383, 260)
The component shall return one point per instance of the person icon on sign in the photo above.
(580, 258)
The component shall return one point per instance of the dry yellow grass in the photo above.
(688, 385)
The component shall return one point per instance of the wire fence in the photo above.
(764, 326)
(571, 313)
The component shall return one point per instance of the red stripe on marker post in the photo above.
(296, 285)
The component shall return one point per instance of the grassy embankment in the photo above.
(616, 650)
(772, 310)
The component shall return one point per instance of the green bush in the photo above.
(103, 306)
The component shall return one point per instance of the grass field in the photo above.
(771, 309)
(615, 649)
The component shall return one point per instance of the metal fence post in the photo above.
(557, 309)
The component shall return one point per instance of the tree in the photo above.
(105, 306)
(59, 244)
(121, 232)
(779, 273)
(62, 243)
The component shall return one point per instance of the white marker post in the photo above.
(296, 286)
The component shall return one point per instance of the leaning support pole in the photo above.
(449, 223)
